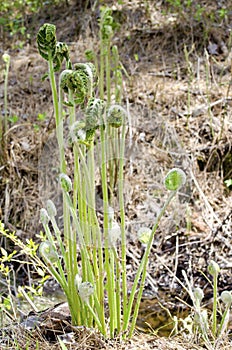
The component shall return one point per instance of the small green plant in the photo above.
(7, 261)
(41, 117)
(13, 119)
(212, 329)
(228, 182)
(13, 15)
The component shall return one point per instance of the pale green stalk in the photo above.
(96, 237)
(112, 288)
(71, 241)
(117, 75)
(225, 320)
(108, 71)
(75, 154)
(59, 130)
(60, 277)
(102, 66)
(214, 324)
(142, 270)
(110, 292)
(122, 217)
(81, 238)
(101, 329)
(84, 252)
(51, 240)
(70, 233)
(214, 270)
(118, 290)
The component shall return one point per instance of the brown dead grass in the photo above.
(181, 116)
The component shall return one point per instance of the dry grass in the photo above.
(181, 116)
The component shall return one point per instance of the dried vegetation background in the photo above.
(178, 90)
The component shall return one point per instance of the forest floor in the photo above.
(177, 88)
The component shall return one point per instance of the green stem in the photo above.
(214, 325)
(102, 330)
(102, 67)
(108, 71)
(122, 216)
(118, 290)
(96, 239)
(58, 237)
(59, 266)
(110, 292)
(224, 320)
(142, 270)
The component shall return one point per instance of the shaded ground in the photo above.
(178, 89)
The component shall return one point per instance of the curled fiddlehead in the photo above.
(48, 252)
(94, 116)
(77, 132)
(83, 131)
(46, 41)
(65, 182)
(62, 52)
(49, 48)
(80, 81)
(106, 23)
(115, 116)
(175, 179)
(88, 74)
(65, 80)
(94, 113)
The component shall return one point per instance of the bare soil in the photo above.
(177, 87)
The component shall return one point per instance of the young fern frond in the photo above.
(93, 119)
(106, 23)
(62, 52)
(89, 76)
(94, 113)
(115, 116)
(49, 48)
(79, 81)
(65, 80)
(46, 41)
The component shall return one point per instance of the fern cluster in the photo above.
(102, 272)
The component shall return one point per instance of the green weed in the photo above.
(212, 329)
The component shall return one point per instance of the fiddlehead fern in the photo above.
(46, 41)
(175, 179)
(77, 132)
(65, 182)
(115, 116)
(62, 52)
(94, 113)
(48, 252)
(80, 81)
(106, 23)
(94, 116)
(88, 74)
(65, 80)
(49, 48)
